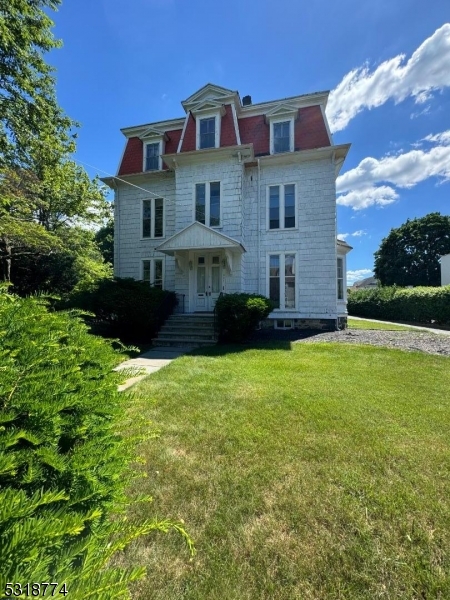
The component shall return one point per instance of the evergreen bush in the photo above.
(133, 310)
(238, 315)
(415, 305)
(64, 466)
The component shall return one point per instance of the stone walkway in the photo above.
(150, 362)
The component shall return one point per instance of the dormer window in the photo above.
(153, 141)
(281, 120)
(207, 137)
(208, 130)
(282, 137)
(152, 156)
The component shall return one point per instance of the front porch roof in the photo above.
(199, 237)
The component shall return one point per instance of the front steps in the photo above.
(187, 330)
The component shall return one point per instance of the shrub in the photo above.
(238, 315)
(64, 467)
(132, 309)
(416, 305)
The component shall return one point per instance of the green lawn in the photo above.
(357, 324)
(301, 471)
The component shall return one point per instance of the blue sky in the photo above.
(386, 63)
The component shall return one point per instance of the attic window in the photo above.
(281, 136)
(207, 136)
(152, 157)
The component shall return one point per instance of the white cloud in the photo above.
(353, 276)
(425, 72)
(359, 233)
(365, 185)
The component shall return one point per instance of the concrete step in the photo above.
(180, 342)
(186, 329)
(200, 335)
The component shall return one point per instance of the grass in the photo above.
(362, 324)
(301, 471)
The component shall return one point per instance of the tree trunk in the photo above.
(7, 259)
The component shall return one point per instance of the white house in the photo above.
(236, 197)
(445, 269)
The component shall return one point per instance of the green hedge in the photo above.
(64, 466)
(415, 305)
(238, 315)
(132, 310)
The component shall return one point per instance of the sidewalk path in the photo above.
(150, 362)
(420, 327)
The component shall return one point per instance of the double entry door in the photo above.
(208, 280)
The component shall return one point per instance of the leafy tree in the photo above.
(105, 241)
(29, 112)
(410, 254)
(43, 193)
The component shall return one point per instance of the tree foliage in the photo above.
(410, 254)
(30, 116)
(64, 463)
(43, 192)
(105, 241)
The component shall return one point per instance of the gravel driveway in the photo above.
(431, 343)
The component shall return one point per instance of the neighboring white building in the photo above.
(236, 197)
(445, 269)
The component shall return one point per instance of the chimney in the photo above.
(246, 100)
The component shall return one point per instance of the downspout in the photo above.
(117, 234)
(259, 227)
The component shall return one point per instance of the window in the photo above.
(207, 203)
(284, 324)
(340, 279)
(281, 206)
(152, 272)
(282, 280)
(281, 137)
(153, 218)
(152, 157)
(207, 137)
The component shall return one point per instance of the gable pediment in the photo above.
(198, 237)
(151, 132)
(282, 110)
(208, 93)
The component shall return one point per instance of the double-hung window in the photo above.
(207, 203)
(152, 158)
(153, 218)
(207, 133)
(282, 137)
(152, 272)
(281, 206)
(281, 282)
(340, 279)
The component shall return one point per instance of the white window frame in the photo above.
(200, 117)
(153, 141)
(208, 202)
(282, 255)
(153, 220)
(344, 279)
(152, 269)
(291, 133)
(282, 206)
(284, 326)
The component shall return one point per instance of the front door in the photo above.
(208, 275)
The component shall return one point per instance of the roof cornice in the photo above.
(302, 101)
(138, 130)
(242, 152)
(336, 153)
